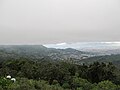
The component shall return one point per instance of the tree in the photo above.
(105, 85)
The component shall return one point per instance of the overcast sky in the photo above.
(56, 21)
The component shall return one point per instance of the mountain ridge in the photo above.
(40, 51)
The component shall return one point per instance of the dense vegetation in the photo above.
(60, 75)
(115, 59)
(40, 68)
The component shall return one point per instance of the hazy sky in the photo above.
(55, 21)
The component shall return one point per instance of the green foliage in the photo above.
(50, 75)
(106, 85)
(36, 70)
(65, 85)
(4, 83)
(100, 71)
(28, 84)
(79, 83)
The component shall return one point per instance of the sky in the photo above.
(58, 21)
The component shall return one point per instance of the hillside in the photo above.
(37, 52)
(115, 59)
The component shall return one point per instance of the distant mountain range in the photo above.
(99, 48)
(39, 51)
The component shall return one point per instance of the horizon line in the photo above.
(60, 43)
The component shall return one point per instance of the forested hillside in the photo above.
(40, 68)
(36, 52)
(115, 59)
(49, 75)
